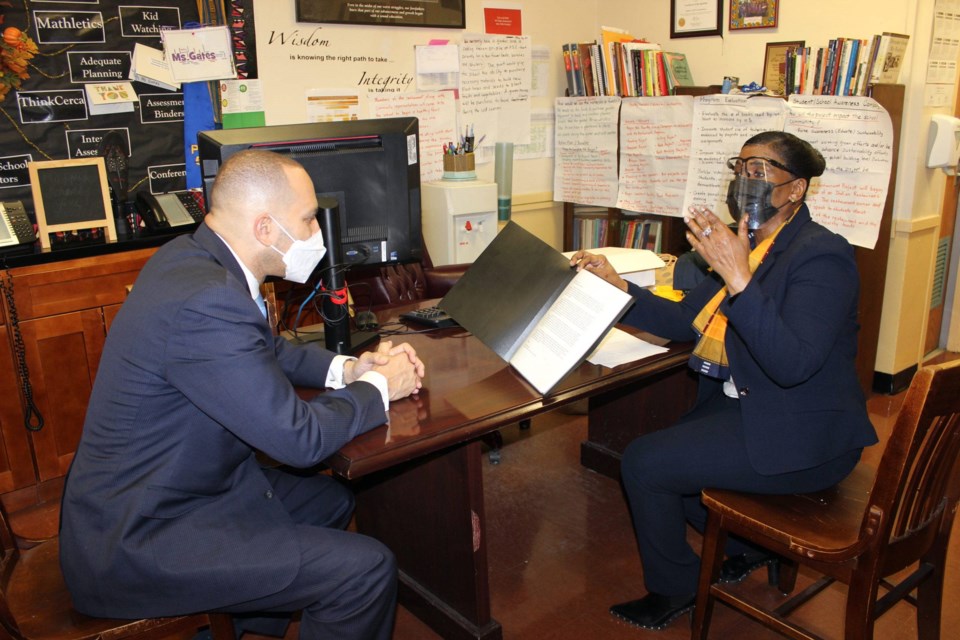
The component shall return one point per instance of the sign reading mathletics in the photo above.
(69, 26)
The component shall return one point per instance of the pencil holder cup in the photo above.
(459, 166)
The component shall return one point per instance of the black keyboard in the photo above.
(432, 316)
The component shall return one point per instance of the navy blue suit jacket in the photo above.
(791, 343)
(166, 509)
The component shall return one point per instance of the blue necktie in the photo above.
(261, 304)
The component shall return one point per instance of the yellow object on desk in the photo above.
(664, 287)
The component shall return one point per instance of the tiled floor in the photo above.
(561, 550)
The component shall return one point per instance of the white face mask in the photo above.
(302, 257)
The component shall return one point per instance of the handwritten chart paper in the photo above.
(721, 124)
(654, 153)
(495, 87)
(855, 136)
(585, 161)
(438, 123)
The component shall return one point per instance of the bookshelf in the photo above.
(671, 231)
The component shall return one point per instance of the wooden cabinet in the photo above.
(63, 311)
(16, 465)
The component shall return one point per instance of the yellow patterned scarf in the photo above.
(709, 356)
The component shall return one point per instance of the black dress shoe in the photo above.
(653, 611)
(737, 568)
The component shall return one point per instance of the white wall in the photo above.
(389, 52)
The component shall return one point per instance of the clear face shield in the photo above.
(750, 193)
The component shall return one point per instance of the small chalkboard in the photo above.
(71, 195)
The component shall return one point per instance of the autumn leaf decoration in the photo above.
(16, 49)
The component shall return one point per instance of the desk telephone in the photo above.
(165, 210)
(15, 225)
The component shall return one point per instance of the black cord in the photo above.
(32, 418)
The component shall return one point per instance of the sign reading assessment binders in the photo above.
(196, 55)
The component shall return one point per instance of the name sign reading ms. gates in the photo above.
(13, 171)
(98, 66)
(167, 177)
(147, 22)
(51, 106)
(69, 26)
(161, 107)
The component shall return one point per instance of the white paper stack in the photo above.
(633, 265)
(148, 66)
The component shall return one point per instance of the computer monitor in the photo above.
(371, 167)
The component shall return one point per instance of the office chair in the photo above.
(35, 604)
(861, 532)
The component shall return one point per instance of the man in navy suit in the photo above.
(166, 510)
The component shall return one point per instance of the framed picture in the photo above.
(444, 14)
(695, 18)
(753, 14)
(775, 65)
(71, 195)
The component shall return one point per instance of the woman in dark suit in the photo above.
(779, 408)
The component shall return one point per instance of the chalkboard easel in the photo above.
(71, 196)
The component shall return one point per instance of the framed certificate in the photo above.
(695, 18)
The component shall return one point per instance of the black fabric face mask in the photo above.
(754, 198)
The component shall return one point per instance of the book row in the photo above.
(592, 232)
(845, 67)
(621, 65)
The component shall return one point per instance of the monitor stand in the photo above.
(359, 340)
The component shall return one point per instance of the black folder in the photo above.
(512, 285)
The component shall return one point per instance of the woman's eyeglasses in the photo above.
(755, 167)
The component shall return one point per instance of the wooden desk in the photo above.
(419, 482)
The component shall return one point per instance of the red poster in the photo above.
(505, 22)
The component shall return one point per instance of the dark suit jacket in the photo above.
(165, 508)
(791, 343)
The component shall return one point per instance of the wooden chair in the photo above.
(35, 604)
(861, 532)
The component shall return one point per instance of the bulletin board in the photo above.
(48, 118)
